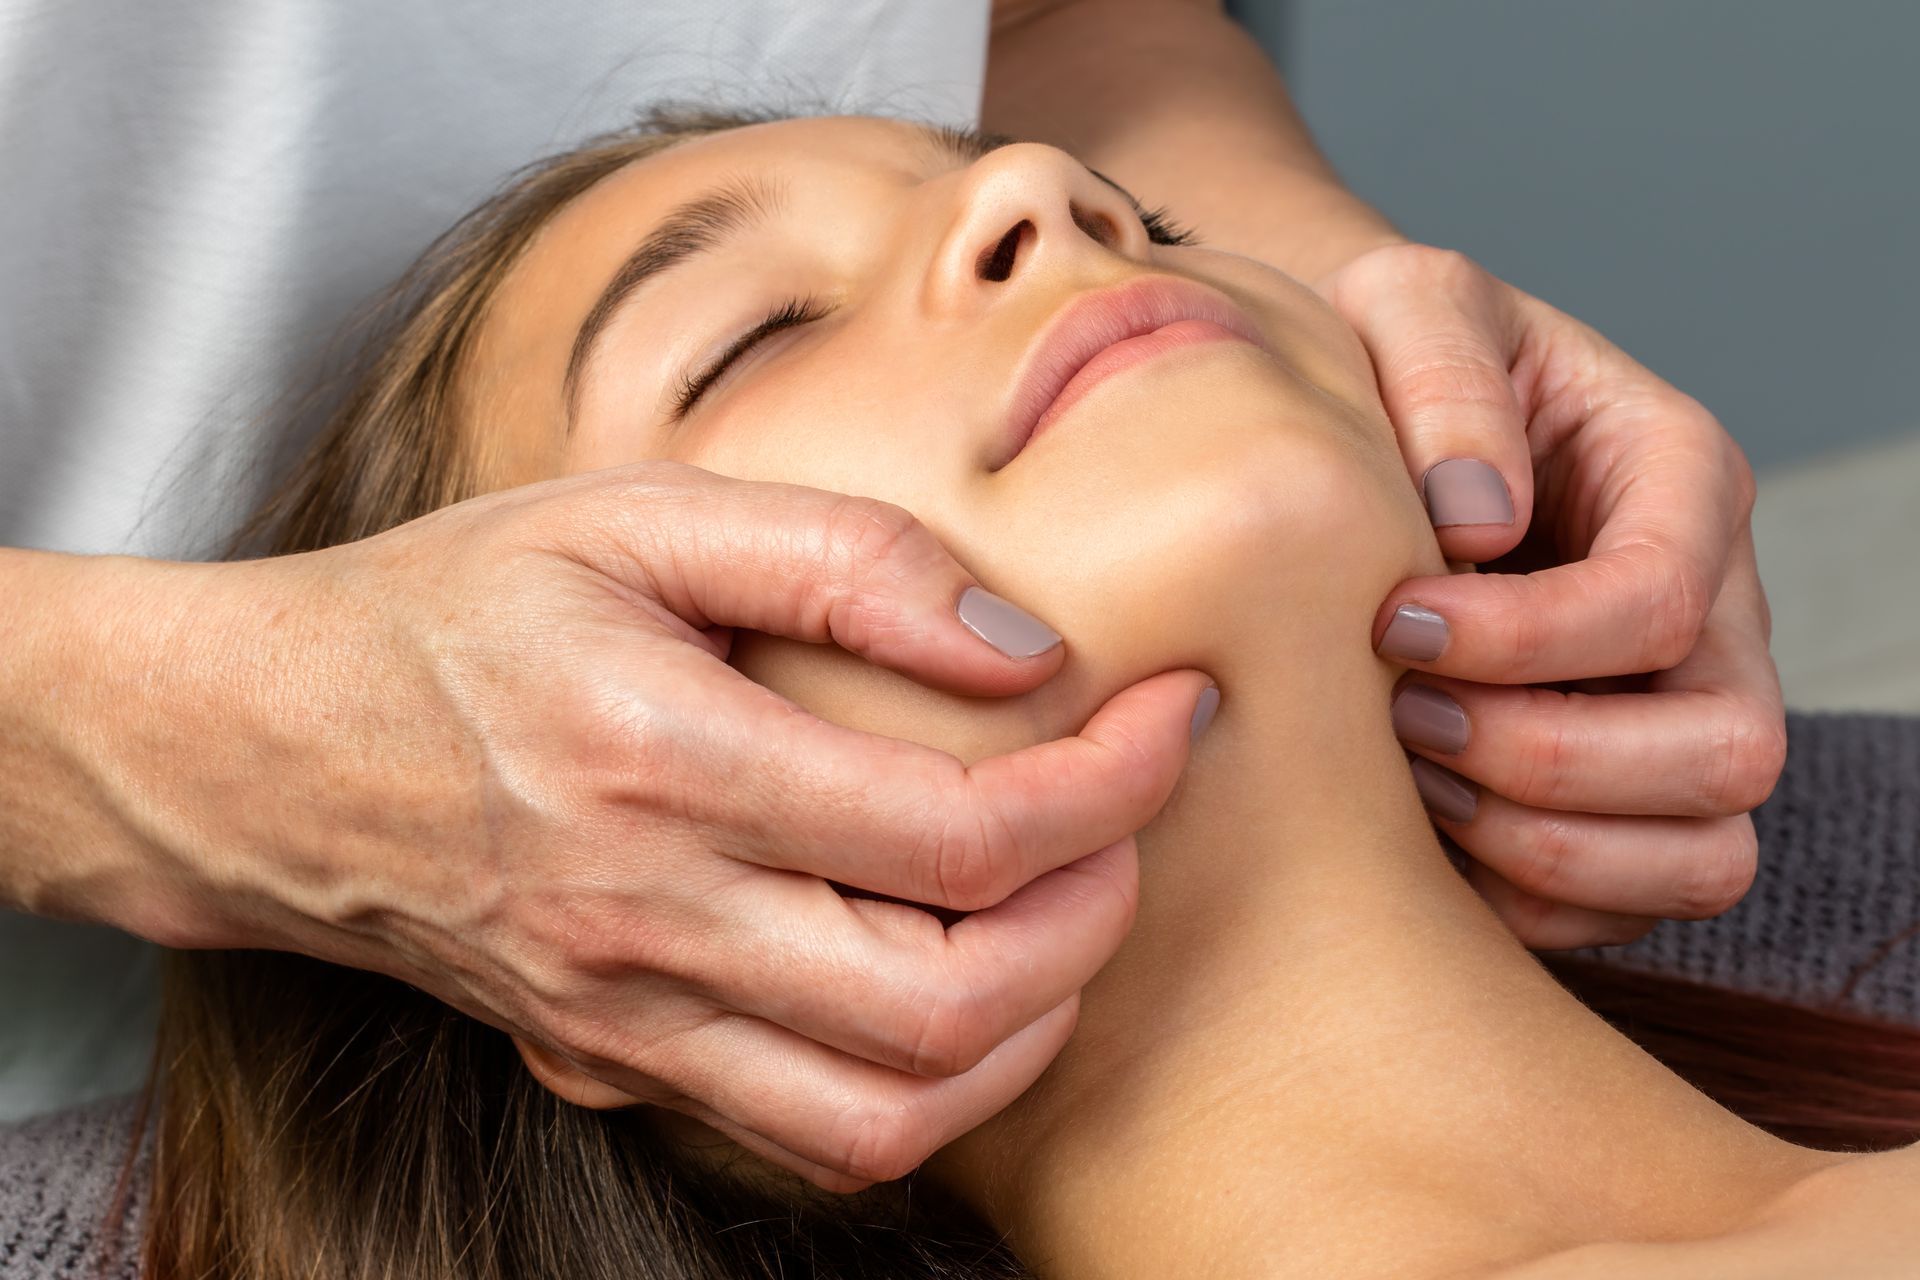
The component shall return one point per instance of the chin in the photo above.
(1214, 503)
(1233, 524)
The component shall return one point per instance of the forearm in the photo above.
(55, 834)
(90, 648)
(1174, 101)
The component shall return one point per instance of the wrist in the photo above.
(92, 669)
(64, 854)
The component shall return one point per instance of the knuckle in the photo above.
(554, 957)
(1719, 874)
(1688, 416)
(1518, 630)
(1543, 763)
(1393, 270)
(872, 550)
(1550, 847)
(622, 752)
(652, 1051)
(1677, 612)
(1724, 460)
(1744, 761)
(580, 1036)
(1746, 489)
(647, 481)
(967, 869)
(949, 1035)
(585, 939)
(863, 532)
(1446, 268)
(881, 1142)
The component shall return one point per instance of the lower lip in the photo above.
(1126, 354)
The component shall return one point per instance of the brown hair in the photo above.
(1825, 1078)
(320, 1122)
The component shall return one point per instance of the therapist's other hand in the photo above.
(498, 753)
(1619, 792)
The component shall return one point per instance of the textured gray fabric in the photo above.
(58, 1177)
(1833, 918)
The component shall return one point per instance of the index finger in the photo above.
(908, 821)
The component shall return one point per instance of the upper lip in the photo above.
(1096, 320)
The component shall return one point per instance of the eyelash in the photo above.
(1161, 230)
(787, 315)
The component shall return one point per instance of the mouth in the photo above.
(1103, 333)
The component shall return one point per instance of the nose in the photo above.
(1020, 213)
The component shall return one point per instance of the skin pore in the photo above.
(1318, 1053)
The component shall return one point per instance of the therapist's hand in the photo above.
(498, 753)
(1595, 731)
(1591, 812)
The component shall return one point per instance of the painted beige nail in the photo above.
(1466, 491)
(1416, 634)
(1004, 624)
(1203, 710)
(1445, 793)
(1426, 717)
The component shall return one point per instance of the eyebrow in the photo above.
(697, 226)
(706, 222)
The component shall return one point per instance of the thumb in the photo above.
(1440, 332)
(811, 565)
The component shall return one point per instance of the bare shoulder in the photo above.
(1855, 1220)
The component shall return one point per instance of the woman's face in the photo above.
(921, 300)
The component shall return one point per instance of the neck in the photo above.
(1319, 1054)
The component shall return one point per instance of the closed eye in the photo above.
(1161, 230)
(788, 315)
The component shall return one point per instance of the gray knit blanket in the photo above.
(58, 1178)
(1833, 919)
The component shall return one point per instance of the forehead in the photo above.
(512, 391)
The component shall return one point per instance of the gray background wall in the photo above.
(1729, 189)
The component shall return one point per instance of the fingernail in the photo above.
(1429, 718)
(1416, 634)
(1203, 711)
(1445, 793)
(1005, 625)
(1466, 491)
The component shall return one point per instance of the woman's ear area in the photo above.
(567, 1082)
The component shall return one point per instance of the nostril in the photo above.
(1097, 227)
(996, 263)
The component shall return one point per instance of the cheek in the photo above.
(1253, 562)
(1207, 533)
(828, 428)
(844, 435)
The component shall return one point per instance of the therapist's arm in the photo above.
(1174, 101)
(1588, 813)
(496, 753)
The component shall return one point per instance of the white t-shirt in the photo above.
(199, 191)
